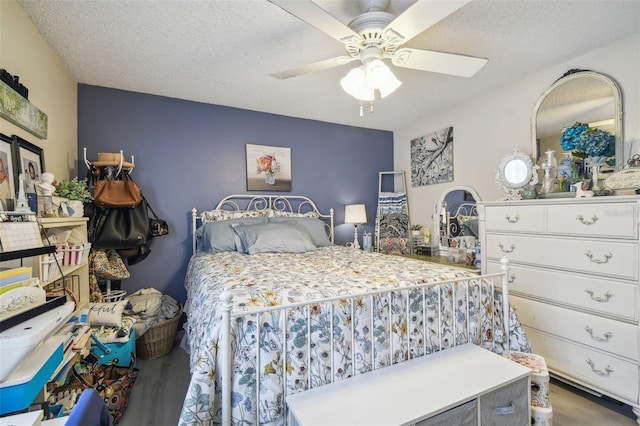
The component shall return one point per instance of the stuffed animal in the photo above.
(581, 193)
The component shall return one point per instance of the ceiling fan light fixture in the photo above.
(363, 81)
(355, 84)
(380, 77)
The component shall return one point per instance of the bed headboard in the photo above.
(262, 202)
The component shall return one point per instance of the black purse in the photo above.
(120, 228)
(157, 226)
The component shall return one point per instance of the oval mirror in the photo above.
(514, 172)
(578, 96)
(453, 215)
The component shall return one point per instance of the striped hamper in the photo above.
(541, 410)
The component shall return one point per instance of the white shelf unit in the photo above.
(46, 360)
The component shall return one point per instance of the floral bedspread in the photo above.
(368, 332)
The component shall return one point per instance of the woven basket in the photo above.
(158, 340)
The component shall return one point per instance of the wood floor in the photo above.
(159, 391)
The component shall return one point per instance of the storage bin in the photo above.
(50, 268)
(74, 254)
(541, 416)
(158, 340)
(539, 376)
(120, 353)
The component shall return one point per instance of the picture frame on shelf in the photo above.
(7, 174)
(30, 163)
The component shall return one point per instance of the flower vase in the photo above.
(270, 178)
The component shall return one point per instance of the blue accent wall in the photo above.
(191, 154)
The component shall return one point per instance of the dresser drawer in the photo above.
(593, 220)
(528, 219)
(599, 295)
(602, 372)
(604, 258)
(604, 334)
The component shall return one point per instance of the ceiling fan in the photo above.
(375, 35)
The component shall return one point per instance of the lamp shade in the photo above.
(355, 213)
(355, 84)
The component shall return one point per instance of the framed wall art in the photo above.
(7, 175)
(432, 158)
(30, 163)
(268, 168)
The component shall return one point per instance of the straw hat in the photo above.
(112, 159)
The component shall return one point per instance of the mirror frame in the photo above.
(572, 75)
(513, 189)
(442, 249)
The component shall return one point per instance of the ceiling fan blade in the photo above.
(316, 66)
(422, 15)
(444, 63)
(316, 16)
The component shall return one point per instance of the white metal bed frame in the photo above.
(301, 204)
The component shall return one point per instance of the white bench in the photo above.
(465, 385)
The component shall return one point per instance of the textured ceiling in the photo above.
(223, 52)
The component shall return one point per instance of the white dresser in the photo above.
(574, 283)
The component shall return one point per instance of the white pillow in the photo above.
(106, 313)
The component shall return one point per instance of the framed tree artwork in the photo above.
(432, 158)
(30, 164)
(7, 174)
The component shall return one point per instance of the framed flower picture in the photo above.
(268, 168)
(7, 177)
(30, 163)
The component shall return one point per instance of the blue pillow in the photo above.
(218, 236)
(316, 228)
(272, 238)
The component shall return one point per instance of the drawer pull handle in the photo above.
(605, 260)
(512, 220)
(607, 370)
(509, 250)
(510, 409)
(605, 337)
(604, 298)
(581, 219)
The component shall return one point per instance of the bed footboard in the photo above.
(332, 339)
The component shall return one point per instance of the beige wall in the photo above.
(487, 128)
(24, 52)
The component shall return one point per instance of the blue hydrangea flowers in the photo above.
(587, 141)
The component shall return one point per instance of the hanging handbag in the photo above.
(157, 226)
(117, 193)
(120, 228)
(108, 265)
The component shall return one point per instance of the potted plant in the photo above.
(416, 229)
(71, 196)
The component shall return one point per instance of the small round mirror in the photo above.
(515, 171)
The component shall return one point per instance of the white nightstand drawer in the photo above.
(600, 333)
(605, 258)
(602, 372)
(585, 292)
(593, 220)
(515, 218)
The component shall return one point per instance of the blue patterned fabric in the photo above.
(382, 334)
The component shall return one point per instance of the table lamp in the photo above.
(357, 215)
